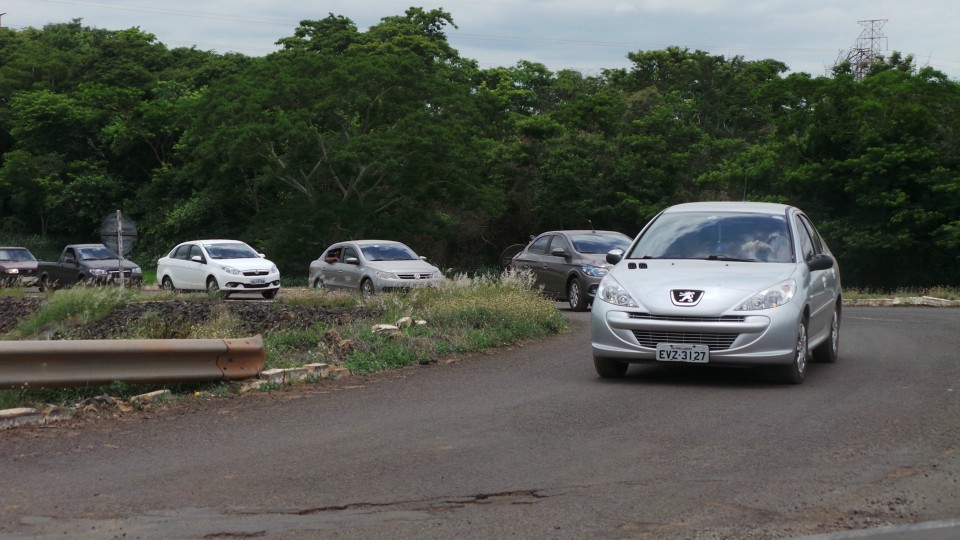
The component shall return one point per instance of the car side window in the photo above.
(814, 234)
(807, 247)
(540, 245)
(182, 252)
(560, 242)
(332, 255)
(349, 252)
(195, 251)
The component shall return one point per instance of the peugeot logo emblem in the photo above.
(685, 297)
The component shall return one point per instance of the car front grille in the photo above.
(253, 273)
(415, 276)
(714, 340)
(725, 318)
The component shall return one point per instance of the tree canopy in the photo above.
(390, 133)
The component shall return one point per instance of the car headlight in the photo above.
(775, 296)
(136, 271)
(274, 270)
(98, 271)
(12, 271)
(594, 271)
(386, 275)
(611, 292)
(230, 270)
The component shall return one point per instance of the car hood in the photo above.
(21, 265)
(244, 264)
(724, 284)
(593, 259)
(110, 264)
(403, 267)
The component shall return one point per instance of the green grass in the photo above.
(465, 314)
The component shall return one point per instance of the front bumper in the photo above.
(765, 337)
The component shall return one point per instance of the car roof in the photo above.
(730, 206)
(13, 247)
(371, 242)
(582, 231)
(220, 240)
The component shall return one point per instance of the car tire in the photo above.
(608, 368)
(797, 370)
(42, 284)
(270, 295)
(827, 351)
(167, 284)
(366, 288)
(577, 296)
(213, 289)
(318, 284)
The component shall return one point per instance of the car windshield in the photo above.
(716, 236)
(388, 252)
(231, 250)
(599, 242)
(16, 255)
(100, 253)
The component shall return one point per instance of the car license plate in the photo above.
(683, 352)
(256, 282)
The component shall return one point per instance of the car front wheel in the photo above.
(213, 289)
(576, 295)
(270, 295)
(318, 284)
(795, 372)
(366, 288)
(608, 368)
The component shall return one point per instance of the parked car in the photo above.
(568, 265)
(372, 266)
(219, 267)
(18, 267)
(725, 283)
(89, 264)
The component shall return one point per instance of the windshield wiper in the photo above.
(729, 258)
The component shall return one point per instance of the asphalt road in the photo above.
(526, 443)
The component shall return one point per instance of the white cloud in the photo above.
(807, 36)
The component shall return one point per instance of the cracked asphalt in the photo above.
(523, 442)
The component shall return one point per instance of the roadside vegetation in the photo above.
(463, 315)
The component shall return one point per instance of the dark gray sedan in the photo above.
(568, 265)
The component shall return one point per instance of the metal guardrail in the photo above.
(26, 364)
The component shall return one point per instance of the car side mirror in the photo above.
(196, 258)
(423, 258)
(352, 260)
(820, 262)
(559, 252)
(614, 256)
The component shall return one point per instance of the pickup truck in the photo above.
(87, 264)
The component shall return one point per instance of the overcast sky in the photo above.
(586, 36)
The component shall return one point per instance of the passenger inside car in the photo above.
(332, 256)
(767, 242)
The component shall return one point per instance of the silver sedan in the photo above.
(720, 283)
(371, 266)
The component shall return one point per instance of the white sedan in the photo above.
(219, 267)
(372, 266)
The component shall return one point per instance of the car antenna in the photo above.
(591, 225)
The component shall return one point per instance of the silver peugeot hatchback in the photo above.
(724, 283)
